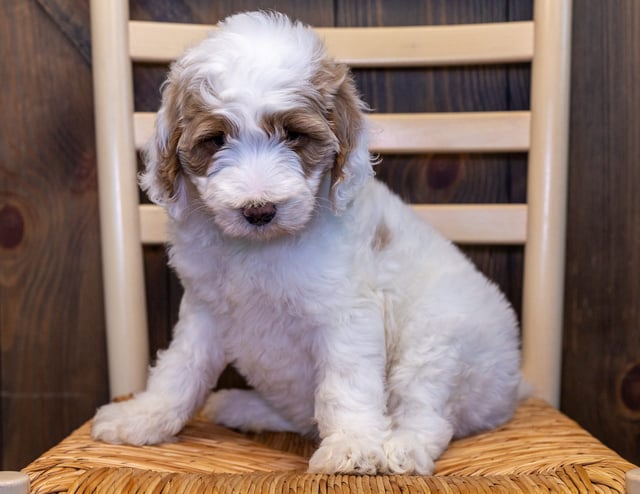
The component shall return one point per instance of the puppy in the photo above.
(352, 320)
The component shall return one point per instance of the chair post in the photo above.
(123, 277)
(542, 317)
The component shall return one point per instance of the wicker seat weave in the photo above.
(539, 450)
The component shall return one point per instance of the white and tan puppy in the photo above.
(351, 319)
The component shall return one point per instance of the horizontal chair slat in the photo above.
(462, 223)
(410, 46)
(413, 133)
(480, 224)
(474, 132)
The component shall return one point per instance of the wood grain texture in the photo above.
(51, 322)
(319, 13)
(602, 342)
(71, 18)
(52, 365)
(388, 46)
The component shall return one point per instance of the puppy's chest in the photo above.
(260, 295)
(279, 293)
(269, 324)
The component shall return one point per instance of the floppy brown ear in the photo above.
(352, 166)
(162, 178)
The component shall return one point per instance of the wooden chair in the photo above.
(539, 449)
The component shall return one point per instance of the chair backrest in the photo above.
(542, 132)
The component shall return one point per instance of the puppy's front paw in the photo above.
(406, 454)
(346, 453)
(143, 420)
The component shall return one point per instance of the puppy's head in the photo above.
(259, 128)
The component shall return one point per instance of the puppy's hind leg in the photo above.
(245, 410)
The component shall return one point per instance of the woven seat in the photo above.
(539, 450)
(99, 480)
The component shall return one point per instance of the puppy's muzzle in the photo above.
(259, 215)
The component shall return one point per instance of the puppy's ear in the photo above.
(352, 166)
(163, 179)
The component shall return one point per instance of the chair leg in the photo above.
(633, 481)
(14, 483)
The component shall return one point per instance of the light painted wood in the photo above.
(632, 481)
(423, 132)
(484, 224)
(450, 132)
(125, 308)
(153, 224)
(143, 126)
(543, 292)
(367, 47)
(464, 224)
(14, 482)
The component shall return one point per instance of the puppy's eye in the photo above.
(214, 141)
(293, 136)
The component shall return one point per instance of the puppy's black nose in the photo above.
(259, 215)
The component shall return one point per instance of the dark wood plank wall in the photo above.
(52, 356)
(601, 382)
(52, 362)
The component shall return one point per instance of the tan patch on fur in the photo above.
(168, 163)
(381, 237)
(344, 111)
(198, 144)
(307, 132)
(189, 127)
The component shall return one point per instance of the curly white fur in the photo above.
(351, 318)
